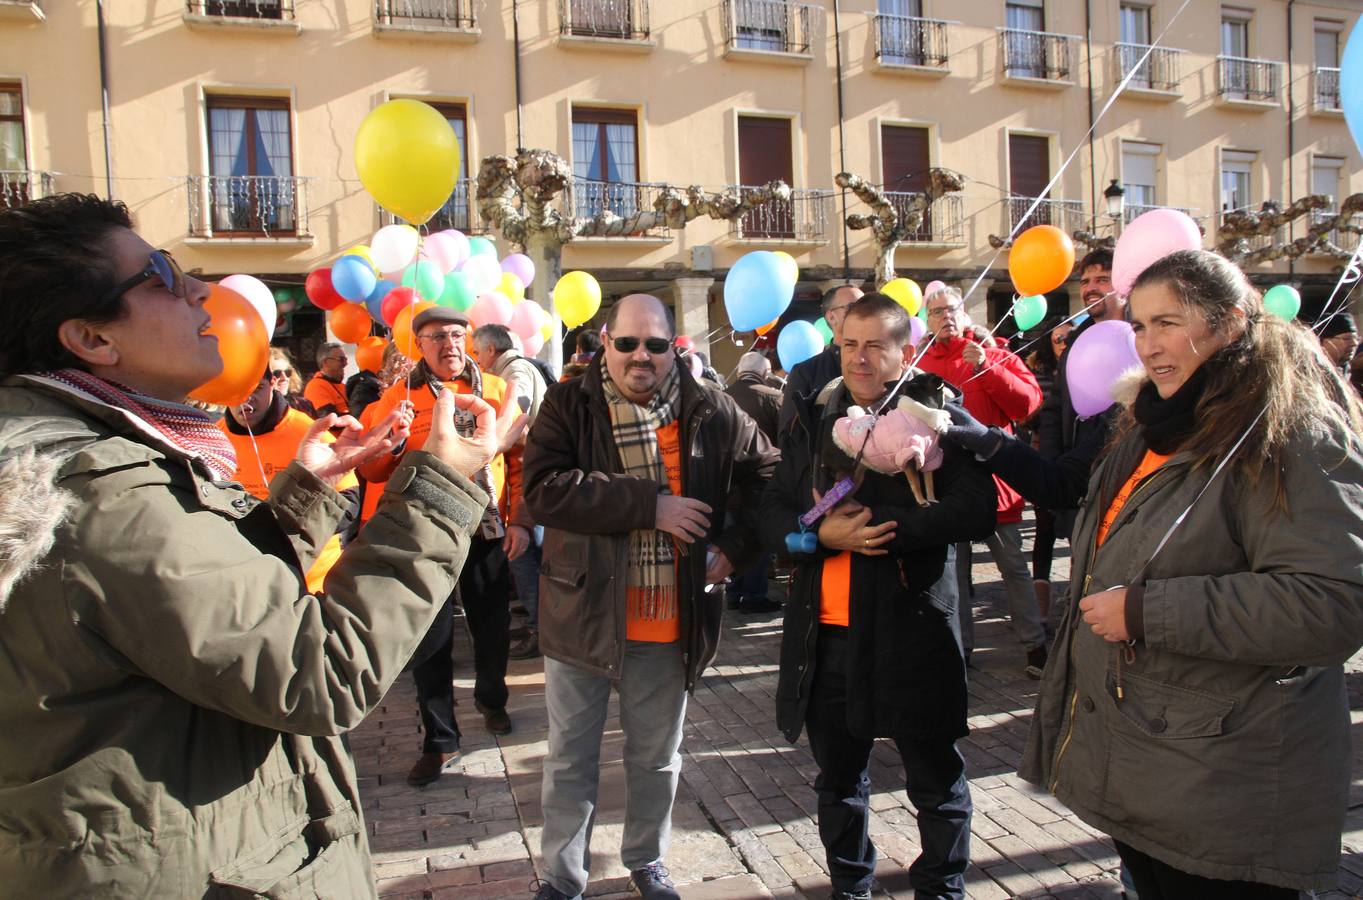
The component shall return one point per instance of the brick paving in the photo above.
(743, 826)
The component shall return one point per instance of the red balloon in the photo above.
(319, 290)
(243, 345)
(394, 302)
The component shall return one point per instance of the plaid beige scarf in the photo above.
(652, 576)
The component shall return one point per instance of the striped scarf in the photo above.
(652, 576)
(184, 427)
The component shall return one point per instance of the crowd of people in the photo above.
(196, 605)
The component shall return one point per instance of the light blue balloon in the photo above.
(374, 302)
(481, 246)
(1351, 84)
(797, 342)
(756, 291)
(352, 278)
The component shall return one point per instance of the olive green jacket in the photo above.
(1219, 741)
(170, 694)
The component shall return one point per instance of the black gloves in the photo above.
(970, 434)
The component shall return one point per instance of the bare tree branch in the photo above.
(1234, 237)
(893, 222)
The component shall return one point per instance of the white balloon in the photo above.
(393, 247)
(485, 272)
(258, 295)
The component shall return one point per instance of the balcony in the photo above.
(261, 16)
(460, 212)
(1131, 211)
(620, 24)
(771, 30)
(1157, 75)
(803, 218)
(18, 187)
(907, 43)
(1344, 240)
(1325, 90)
(1067, 215)
(441, 20)
(1253, 242)
(1036, 57)
(22, 10)
(251, 208)
(1248, 82)
(615, 202)
(943, 221)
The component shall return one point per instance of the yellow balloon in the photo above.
(547, 331)
(577, 297)
(905, 292)
(364, 253)
(408, 158)
(512, 286)
(789, 267)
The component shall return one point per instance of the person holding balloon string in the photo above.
(1195, 709)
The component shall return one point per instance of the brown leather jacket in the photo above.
(575, 489)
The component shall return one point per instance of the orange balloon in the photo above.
(402, 328)
(350, 322)
(1041, 259)
(243, 344)
(369, 353)
(769, 326)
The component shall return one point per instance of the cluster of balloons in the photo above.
(243, 315)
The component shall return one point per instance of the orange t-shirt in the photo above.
(659, 625)
(494, 392)
(835, 590)
(1149, 463)
(322, 392)
(257, 462)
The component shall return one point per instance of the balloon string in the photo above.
(1039, 338)
(256, 448)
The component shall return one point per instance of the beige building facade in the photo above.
(227, 125)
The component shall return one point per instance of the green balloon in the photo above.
(458, 292)
(481, 246)
(1029, 311)
(1283, 301)
(426, 277)
(822, 325)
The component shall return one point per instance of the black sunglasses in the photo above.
(655, 345)
(280, 373)
(160, 264)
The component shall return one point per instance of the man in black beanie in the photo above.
(1339, 340)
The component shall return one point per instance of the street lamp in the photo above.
(1113, 194)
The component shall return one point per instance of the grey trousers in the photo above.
(652, 710)
(1005, 545)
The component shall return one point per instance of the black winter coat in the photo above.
(906, 674)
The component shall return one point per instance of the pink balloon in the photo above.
(533, 344)
(521, 266)
(1101, 354)
(490, 309)
(447, 249)
(527, 318)
(1149, 237)
(917, 328)
(932, 287)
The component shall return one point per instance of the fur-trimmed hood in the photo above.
(1128, 385)
(32, 506)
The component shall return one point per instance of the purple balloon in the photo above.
(917, 328)
(521, 266)
(1103, 352)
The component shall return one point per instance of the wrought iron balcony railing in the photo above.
(623, 199)
(1036, 54)
(620, 19)
(1067, 215)
(772, 25)
(20, 186)
(804, 217)
(242, 9)
(1131, 211)
(943, 222)
(1239, 78)
(460, 212)
(911, 41)
(426, 13)
(1325, 89)
(1344, 240)
(247, 206)
(1159, 71)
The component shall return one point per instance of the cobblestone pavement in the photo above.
(744, 819)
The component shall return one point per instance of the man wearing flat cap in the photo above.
(484, 582)
(1339, 340)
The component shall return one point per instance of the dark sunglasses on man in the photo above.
(161, 265)
(655, 345)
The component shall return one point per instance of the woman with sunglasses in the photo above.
(170, 693)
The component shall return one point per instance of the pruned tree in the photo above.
(892, 223)
(1081, 238)
(1235, 237)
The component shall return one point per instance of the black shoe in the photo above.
(430, 767)
(527, 648)
(546, 891)
(496, 720)
(850, 895)
(1036, 662)
(651, 883)
(760, 605)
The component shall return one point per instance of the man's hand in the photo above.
(516, 542)
(512, 423)
(847, 527)
(466, 455)
(1105, 613)
(718, 568)
(973, 354)
(682, 517)
(331, 460)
